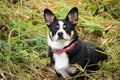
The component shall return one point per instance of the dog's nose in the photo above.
(60, 34)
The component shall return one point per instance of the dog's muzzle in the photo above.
(60, 35)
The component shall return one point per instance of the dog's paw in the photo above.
(72, 70)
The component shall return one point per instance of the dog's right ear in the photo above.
(49, 17)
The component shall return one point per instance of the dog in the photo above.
(66, 49)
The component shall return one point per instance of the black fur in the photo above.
(84, 53)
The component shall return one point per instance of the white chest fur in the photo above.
(61, 64)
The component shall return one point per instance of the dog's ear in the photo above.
(73, 15)
(49, 17)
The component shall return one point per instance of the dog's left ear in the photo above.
(73, 15)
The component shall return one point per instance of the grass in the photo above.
(23, 43)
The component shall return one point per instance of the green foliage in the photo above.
(91, 25)
(23, 43)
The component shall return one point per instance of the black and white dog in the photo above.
(65, 48)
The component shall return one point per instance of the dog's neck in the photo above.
(58, 44)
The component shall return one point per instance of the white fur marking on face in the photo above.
(61, 64)
(61, 24)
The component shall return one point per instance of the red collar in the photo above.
(65, 49)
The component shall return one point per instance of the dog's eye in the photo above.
(64, 26)
(57, 26)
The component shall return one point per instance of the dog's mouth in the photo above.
(61, 38)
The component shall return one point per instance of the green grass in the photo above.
(23, 43)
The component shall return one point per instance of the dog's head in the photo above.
(61, 29)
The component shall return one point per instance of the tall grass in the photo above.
(23, 43)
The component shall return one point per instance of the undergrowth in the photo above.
(23, 43)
